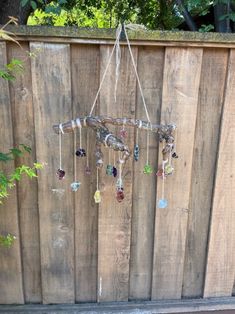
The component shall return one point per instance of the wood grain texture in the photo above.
(11, 288)
(114, 222)
(52, 103)
(85, 80)
(214, 65)
(23, 121)
(179, 106)
(220, 268)
(150, 69)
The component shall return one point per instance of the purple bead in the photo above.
(114, 172)
(80, 152)
(87, 171)
(60, 174)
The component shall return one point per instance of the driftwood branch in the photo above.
(106, 137)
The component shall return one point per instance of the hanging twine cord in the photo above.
(137, 76)
(97, 178)
(163, 178)
(87, 148)
(60, 144)
(119, 30)
(118, 61)
(106, 69)
(147, 151)
(75, 159)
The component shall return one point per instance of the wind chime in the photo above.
(99, 124)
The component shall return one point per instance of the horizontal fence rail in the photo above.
(69, 249)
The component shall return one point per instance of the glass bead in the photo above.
(159, 172)
(87, 171)
(148, 169)
(75, 186)
(174, 155)
(168, 169)
(80, 152)
(162, 203)
(114, 172)
(119, 183)
(109, 170)
(136, 152)
(120, 195)
(97, 197)
(60, 174)
(123, 133)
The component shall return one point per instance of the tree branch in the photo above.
(187, 16)
(107, 138)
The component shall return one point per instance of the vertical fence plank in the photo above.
(150, 69)
(52, 104)
(85, 80)
(220, 269)
(179, 106)
(214, 64)
(10, 259)
(23, 120)
(114, 222)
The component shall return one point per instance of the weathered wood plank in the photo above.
(10, 259)
(23, 121)
(214, 65)
(150, 69)
(85, 80)
(220, 268)
(179, 106)
(114, 221)
(52, 103)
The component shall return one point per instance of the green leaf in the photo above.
(26, 148)
(16, 152)
(24, 2)
(5, 157)
(38, 165)
(33, 5)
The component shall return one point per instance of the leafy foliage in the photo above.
(11, 69)
(154, 14)
(7, 240)
(8, 180)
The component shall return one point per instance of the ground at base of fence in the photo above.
(203, 306)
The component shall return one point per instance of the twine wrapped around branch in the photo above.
(104, 136)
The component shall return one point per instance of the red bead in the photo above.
(123, 133)
(60, 174)
(120, 195)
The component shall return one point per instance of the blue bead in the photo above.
(75, 186)
(162, 203)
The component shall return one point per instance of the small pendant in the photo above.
(119, 184)
(148, 169)
(120, 195)
(162, 203)
(87, 171)
(123, 133)
(114, 171)
(97, 196)
(80, 152)
(159, 172)
(168, 170)
(109, 170)
(136, 152)
(60, 174)
(75, 186)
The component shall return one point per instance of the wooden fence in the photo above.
(70, 250)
